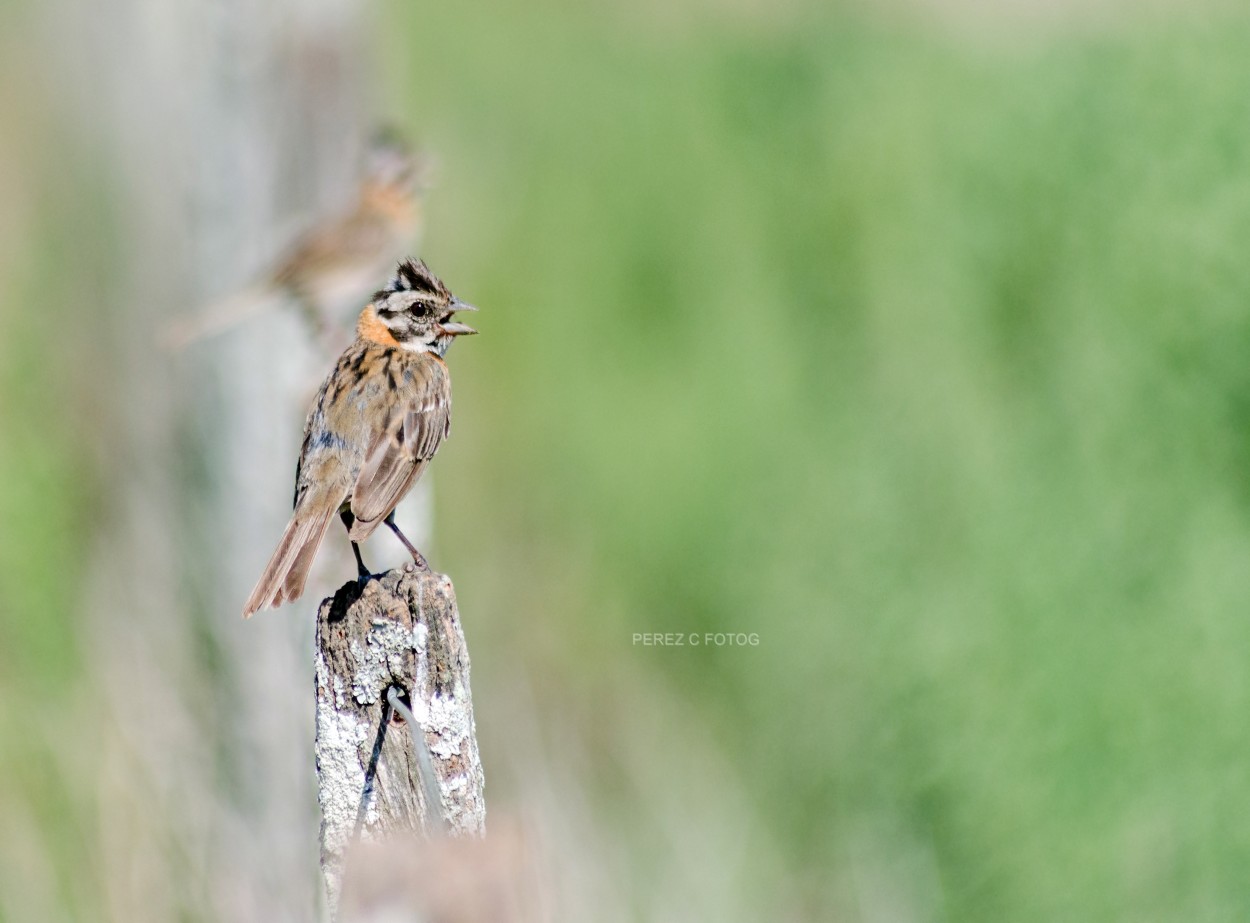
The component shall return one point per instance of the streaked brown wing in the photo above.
(417, 424)
(357, 236)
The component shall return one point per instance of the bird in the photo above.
(374, 426)
(337, 261)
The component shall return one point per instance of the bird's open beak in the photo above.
(454, 329)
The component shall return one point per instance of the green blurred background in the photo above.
(913, 342)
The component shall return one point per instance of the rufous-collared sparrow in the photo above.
(374, 426)
(337, 262)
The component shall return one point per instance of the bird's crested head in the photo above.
(415, 309)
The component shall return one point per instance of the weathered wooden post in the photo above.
(384, 645)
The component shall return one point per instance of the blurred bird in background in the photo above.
(336, 263)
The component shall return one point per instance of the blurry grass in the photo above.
(926, 362)
(49, 503)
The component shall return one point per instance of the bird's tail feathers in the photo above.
(287, 571)
(219, 316)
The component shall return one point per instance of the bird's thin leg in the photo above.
(348, 520)
(412, 549)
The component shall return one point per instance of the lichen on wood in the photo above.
(397, 629)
